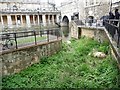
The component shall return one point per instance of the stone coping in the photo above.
(29, 46)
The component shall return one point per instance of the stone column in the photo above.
(21, 19)
(16, 21)
(28, 20)
(57, 18)
(34, 19)
(2, 21)
(38, 20)
(49, 19)
(9, 20)
(44, 20)
(53, 19)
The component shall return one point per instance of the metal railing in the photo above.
(111, 25)
(89, 23)
(113, 28)
(28, 38)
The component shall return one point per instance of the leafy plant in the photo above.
(72, 67)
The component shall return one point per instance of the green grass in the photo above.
(31, 39)
(72, 67)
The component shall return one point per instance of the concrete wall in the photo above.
(15, 61)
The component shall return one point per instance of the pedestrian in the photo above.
(111, 16)
(117, 15)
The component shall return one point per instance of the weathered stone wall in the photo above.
(92, 32)
(15, 61)
(74, 30)
(98, 10)
(96, 33)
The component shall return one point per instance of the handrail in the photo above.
(10, 40)
(109, 24)
(113, 30)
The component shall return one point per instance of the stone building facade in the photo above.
(86, 8)
(116, 4)
(96, 8)
(27, 13)
(71, 8)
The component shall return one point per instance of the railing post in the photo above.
(16, 40)
(41, 33)
(57, 33)
(35, 37)
(118, 35)
(118, 44)
(109, 21)
(47, 35)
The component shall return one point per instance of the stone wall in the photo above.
(92, 32)
(17, 60)
(96, 33)
(98, 10)
(74, 30)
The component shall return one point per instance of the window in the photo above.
(91, 2)
(97, 1)
(86, 2)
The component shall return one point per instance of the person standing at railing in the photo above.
(117, 15)
(111, 16)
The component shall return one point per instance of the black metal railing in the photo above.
(89, 23)
(28, 38)
(113, 29)
(111, 25)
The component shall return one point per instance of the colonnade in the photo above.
(27, 19)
